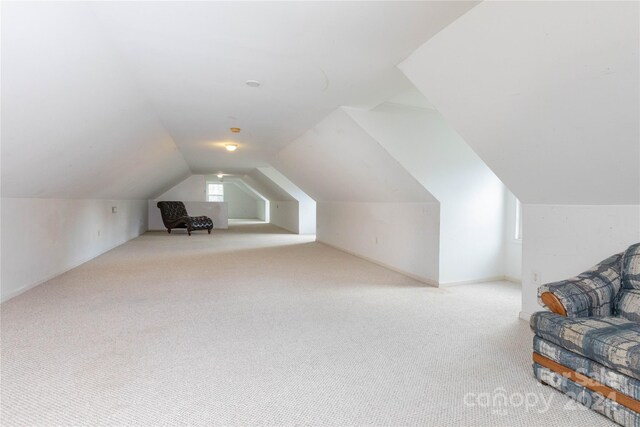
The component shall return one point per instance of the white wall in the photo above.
(562, 241)
(285, 214)
(361, 191)
(472, 204)
(400, 236)
(217, 211)
(546, 93)
(241, 205)
(262, 207)
(191, 189)
(305, 207)
(513, 246)
(42, 238)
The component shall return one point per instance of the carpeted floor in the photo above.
(251, 326)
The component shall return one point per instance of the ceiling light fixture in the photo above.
(220, 175)
(231, 147)
(235, 130)
(252, 83)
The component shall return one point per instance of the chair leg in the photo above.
(189, 231)
(209, 230)
(169, 230)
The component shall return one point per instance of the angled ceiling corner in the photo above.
(338, 160)
(552, 103)
(81, 131)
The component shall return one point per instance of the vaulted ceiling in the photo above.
(124, 99)
(547, 94)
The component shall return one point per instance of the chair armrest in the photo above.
(591, 294)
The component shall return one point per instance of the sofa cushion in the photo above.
(591, 399)
(607, 376)
(628, 304)
(611, 341)
(631, 267)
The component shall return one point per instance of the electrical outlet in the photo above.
(114, 209)
(535, 277)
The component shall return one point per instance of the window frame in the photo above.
(215, 196)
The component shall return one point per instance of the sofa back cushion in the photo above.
(628, 304)
(631, 267)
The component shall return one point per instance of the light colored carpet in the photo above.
(255, 327)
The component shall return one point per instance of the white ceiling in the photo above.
(74, 122)
(266, 187)
(337, 160)
(191, 60)
(547, 94)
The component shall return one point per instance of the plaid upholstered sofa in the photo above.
(588, 345)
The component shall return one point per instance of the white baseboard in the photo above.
(469, 282)
(421, 279)
(7, 296)
(525, 316)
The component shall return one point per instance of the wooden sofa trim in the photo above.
(553, 303)
(587, 382)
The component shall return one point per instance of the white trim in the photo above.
(421, 279)
(551, 205)
(469, 282)
(517, 232)
(525, 316)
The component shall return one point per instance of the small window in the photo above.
(518, 232)
(215, 193)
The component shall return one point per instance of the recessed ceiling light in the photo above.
(252, 83)
(235, 130)
(231, 147)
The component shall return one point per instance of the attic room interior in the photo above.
(374, 213)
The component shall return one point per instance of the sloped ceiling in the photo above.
(281, 181)
(74, 123)
(338, 161)
(266, 187)
(434, 154)
(547, 93)
(125, 99)
(192, 59)
(246, 189)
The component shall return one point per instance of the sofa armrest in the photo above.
(553, 303)
(591, 294)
